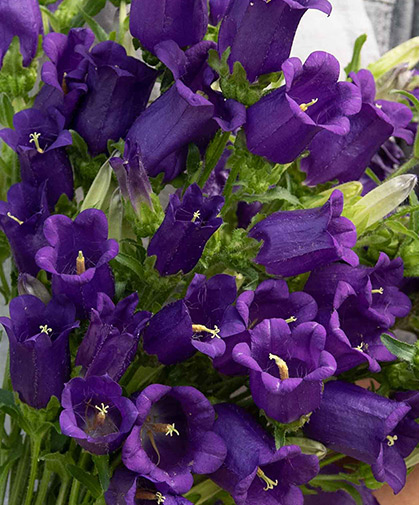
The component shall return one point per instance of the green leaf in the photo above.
(99, 32)
(87, 479)
(308, 446)
(402, 350)
(193, 162)
(88, 7)
(398, 227)
(355, 63)
(415, 102)
(99, 188)
(102, 467)
(213, 154)
(133, 264)
(57, 463)
(408, 53)
(49, 17)
(273, 194)
(203, 491)
(336, 485)
(6, 111)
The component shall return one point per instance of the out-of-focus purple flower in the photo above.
(286, 369)
(22, 19)
(39, 352)
(96, 414)
(78, 257)
(298, 241)
(270, 300)
(367, 427)
(119, 87)
(173, 437)
(64, 75)
(112, 338)
(129, 488)
(218, 9)
(181, 328)
(246, 212)
(253, 471)
(187, 226)
(22, 220)
(356, 305)
(185, 22)
(311, 101)
(263, 51)
(39, 140)
(346, 158)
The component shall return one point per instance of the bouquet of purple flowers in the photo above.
(209, 256)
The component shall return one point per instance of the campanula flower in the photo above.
(218, 8)
(39, 352)
(173, 437)
(78, 256)
(96, 414)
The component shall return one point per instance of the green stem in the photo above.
(4, 284)
(18, 485)
(75, 487)
(332, 459)
(406, 167)
(36, 449)
(62, 495)
(43, 487)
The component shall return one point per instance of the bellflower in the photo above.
(96, 414)
(119, 87)
(357, 305)
(346, 158)
(298, 241)
(246, 212)
(253, 471)
(286, 368)
(367, 427)
(185, 22)
(39, 353)
(78, 257)
(263, 51)
(193, 324)
(128, 488)
(271, 299)
(112, 338)
(173, 437)
(39, 140)
(22, 220)
(22, 19)
(218, 9)
(311, 101)
(187, 226)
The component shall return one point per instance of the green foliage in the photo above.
(355, 63)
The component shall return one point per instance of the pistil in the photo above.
(291, 319)
(34, 137)
(270, 484)
(200, 328)
(45, 329)
(196, 215)
(282, 366)
(18, 221)
(379, 291)
(80, 264)
(150, 496)
(391, 440)
(305, 106)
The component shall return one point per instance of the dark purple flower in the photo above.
(39, 140)
(218, 177)
(193, 324)
(78, 257)
(367, 427)
(96, 414)
(187, 226)
(183, 21)
(287, 369)
(22, 220)
(253, 471)
(129, 488)
(39, 352)
(346, 158)
(119, 87)
(311, 101)
(298, 241)
(270, 300)
(173, 437)
(246, 212)
(218, 9)
(263, 51)
(22, 19)
(112, 338)
(357, 305)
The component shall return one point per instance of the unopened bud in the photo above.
(349, 189)
(28, 285)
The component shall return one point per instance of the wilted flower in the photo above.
(39, 353)
(96, 414)
(173, 437)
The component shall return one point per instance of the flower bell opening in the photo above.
(282, 366)
(34, 137)
(304, 106)
(391, 440)
(153, 429)
(379, 291)
(196, 215)
(98, 421)
(80, 263)
(270, 484)
(18, 221)
(200, 328)
(44, 329)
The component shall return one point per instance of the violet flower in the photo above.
(173, 437)
(112, 338)
(22, 220)
(187, 226)
(193, 324)
(218, 9)
(185, 22)
(39, 352)
(311, 101)
(22, 19)
(298, 241)
(119, 87)
(367, 427)
(39, 140)
(263, 51)
(96, 414)
(253, 471)
(78, 257)
(346, 158)
(286, 369)
(129, 488)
